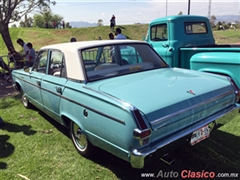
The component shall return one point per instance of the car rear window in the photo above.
(121, 59)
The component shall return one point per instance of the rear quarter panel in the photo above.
(107, 123)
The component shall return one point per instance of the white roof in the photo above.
(71, 54)
(72, 46)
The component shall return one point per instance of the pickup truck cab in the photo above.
(187, 41)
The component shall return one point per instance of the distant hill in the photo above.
(79, 24)
(228, 18)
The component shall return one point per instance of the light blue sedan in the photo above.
(122, 97)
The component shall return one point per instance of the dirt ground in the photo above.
(6, 88)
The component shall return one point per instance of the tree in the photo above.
(57, 19)
(13, 10)
(212, 21)
(28, 22)
(68, 25)
(46, 16)
(38, 21)
(100, 22)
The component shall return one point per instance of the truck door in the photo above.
(159, 40)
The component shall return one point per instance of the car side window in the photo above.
(41, 62)
(159, 32)
(56, 64)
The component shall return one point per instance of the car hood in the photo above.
(161, 92)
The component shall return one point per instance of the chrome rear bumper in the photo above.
(137, 156)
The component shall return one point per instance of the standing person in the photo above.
(63, 24)
(54, 24)
(119, 34)
(32, 54)
(25, 49)
(112, 23)
(114, 20)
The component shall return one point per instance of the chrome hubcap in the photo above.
(24, 100)
(80, 137)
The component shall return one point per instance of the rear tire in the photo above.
(80, 141)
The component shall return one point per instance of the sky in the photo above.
(139, 11)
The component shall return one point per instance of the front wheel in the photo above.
(80, 141)
(24, 99)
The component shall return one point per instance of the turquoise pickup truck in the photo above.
(187, 41)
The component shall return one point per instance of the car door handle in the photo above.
(165, 45)
(39, 83)
(59, 89)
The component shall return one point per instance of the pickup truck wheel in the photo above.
(25, 101)
(80, 141)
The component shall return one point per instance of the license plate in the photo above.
(200, 135)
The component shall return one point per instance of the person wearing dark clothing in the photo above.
(111, 36)
(112, 22)
(73, 39)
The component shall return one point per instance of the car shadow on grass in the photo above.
(57, 125)
(218, 154)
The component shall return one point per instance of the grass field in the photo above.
(40, 37)
(35, 147)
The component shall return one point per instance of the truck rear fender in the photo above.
(222, 63)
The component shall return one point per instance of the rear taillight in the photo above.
(236, 88)
(142, 136)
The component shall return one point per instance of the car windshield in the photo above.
(115, 60)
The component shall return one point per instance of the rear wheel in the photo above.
(80, 141)
(25, 101)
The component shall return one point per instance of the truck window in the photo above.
(195, 27)
(159, 32)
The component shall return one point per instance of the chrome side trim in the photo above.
(127, 105)
(140, 122)
(165, 118)
(137, 156)
(75, 102)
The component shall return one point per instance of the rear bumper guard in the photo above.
(137, 156)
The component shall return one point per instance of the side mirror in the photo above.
(27, 69)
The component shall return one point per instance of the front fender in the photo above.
(224, 63)
(18, 83)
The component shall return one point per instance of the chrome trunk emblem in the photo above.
(191, 92)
